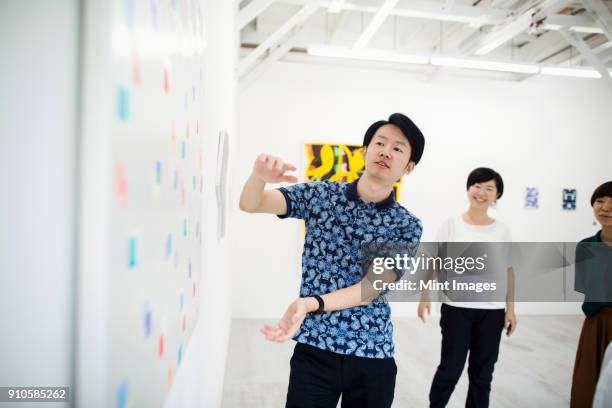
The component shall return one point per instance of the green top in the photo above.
(595, 260)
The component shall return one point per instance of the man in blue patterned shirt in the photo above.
(342, 325)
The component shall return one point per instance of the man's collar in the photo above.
(351, 194)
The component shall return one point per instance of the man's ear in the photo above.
(410, 167)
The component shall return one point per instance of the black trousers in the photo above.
(319, 377)
(477, 331)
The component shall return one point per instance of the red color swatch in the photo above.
(166, 81)
(136, 72)
(121, 184)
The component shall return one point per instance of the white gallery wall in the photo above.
(54, 154)
(38, 124)
(545, 132)
(199, 382)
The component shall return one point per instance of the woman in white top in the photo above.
(472, 326)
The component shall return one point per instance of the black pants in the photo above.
(463, 329)
(319, 377)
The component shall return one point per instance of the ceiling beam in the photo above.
(252, 10)
(580, 23)
(337, 6)
(302, 15)
(483, 44)
(504, 3)
(515, 26)
(336, 29)
(542, 47)
(577, 42)
(598, 45)
(280, 51)
(602, 14)
(425, 9)
(379, 18)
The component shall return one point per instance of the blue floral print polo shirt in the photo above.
(338, 222)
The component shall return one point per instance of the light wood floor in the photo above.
(534, 367)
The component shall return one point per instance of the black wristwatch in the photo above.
(321, 305)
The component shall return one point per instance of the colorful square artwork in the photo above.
(569, 199)
(336, 162)
(532, 197)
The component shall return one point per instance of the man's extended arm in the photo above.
(359, 294)
(254, 197)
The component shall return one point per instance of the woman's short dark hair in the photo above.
(484, 174)
(605, 190)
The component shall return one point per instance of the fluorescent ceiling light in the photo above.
(486, 65)
(571, 71)
(370, 54)
(366, 54)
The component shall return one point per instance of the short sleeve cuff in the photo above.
(288, 201)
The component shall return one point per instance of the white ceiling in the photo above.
(536, 32)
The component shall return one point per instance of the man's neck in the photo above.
(373, 190)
